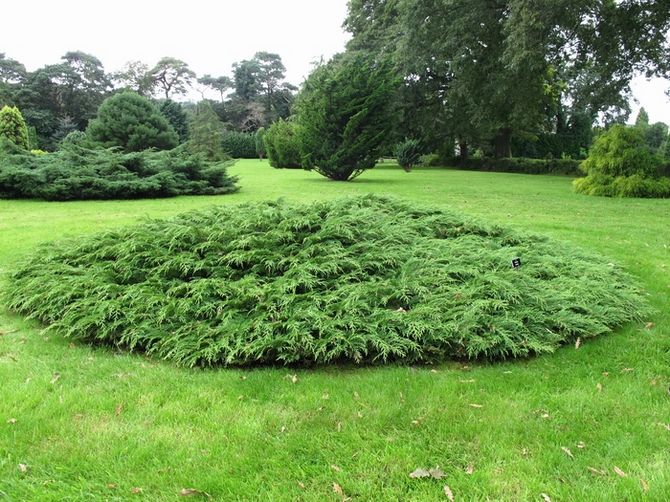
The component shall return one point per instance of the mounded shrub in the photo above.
(621, 164)
(77, 172)
(240, 145)
(365, 279)
(132, 122)
(282, 145)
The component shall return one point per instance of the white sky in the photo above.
(209, 35)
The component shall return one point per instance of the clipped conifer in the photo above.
(13, 127)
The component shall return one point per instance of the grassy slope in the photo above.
(255, 435)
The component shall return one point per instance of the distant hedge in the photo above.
(76, 172)
(566, 167)
(240, 145)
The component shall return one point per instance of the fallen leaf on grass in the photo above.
(449, 493)
(55, 378)
(649, 325)
(419, 473)
(294, 378)
(665, 426)
(476, 405)
(645, 485)
(620, 472)
(599, 387)
(11, 421)
(627, 370)
(581, 445)
(435, 473)
(578, 343)
(545, 497)
(597, 472)
(23, 468)
(467, 381)
(136, 490)
(118, 410)
(338, 489)
(112, 486)
(356, 396)
(301, 484)
(192, 492)
(567, 452)
(336, 468)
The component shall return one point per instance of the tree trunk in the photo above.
(504, 143)
(463, 151)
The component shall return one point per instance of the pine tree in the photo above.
(13, 127)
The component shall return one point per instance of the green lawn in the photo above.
(94, 424)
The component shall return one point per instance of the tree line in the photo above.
(59, 98)
(512, 76)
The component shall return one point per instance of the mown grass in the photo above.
(113, 422)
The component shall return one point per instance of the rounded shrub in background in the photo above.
(282, 145)
(132, 122)
(621, 164)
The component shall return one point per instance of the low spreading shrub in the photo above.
(240, 145)
(363, 279)
(282, 145)
(621, 164)
(567, 167)
(76, 172)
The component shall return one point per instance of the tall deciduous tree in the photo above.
(172, 76)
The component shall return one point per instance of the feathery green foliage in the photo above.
(13, 127)
(365, 279)
(621, 164)
(77, 172)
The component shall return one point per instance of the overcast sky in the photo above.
(209, 35)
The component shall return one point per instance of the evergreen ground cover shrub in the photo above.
(365, 279)
(76, 172)
(519, 165)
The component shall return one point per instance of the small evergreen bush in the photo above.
(282, 144)
(13, 127)
(239, 145)
(364, 279)
(622, 164)
(76, 172)
(408, 153)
